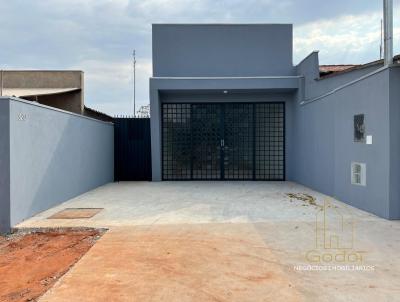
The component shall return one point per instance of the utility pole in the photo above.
(134, 83)
(381, 42)
(388, 31)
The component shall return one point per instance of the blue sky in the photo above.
(98, 36)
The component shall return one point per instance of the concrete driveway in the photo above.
(226, 241)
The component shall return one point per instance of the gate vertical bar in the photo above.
(254, 141)
(191, 141)
(222, 136)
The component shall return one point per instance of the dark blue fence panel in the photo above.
(132, 147)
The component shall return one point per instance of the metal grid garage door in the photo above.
(177, 154)
(231, 141)
(238, 141)
(205, 140)
(270, 141)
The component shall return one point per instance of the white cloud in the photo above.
(348, 39)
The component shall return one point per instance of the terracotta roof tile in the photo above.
(327, 69)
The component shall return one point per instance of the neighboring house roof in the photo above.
(97, 114)
(329, 69)
(326, 71)
(21, 92)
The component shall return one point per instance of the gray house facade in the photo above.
(211, 95)
(227, 103)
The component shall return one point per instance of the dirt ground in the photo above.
(182, 263)
(31, 263)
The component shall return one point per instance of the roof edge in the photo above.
(53, 109)
(216, 24)
(396, 59)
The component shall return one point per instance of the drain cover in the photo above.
(75, 213)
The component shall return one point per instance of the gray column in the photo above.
(155, 125)
(4, 165)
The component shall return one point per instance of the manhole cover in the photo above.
(75, 213)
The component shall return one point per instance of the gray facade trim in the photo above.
(237, 83)
(226, 78)
(234, 96)
(308, 56)
(221, 24)
(51, 108)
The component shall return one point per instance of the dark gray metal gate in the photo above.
(226, 141)
(132, 149)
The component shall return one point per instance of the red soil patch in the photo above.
(176, 263)
(31, 263)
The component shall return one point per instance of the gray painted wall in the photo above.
(4, 165)
(394, 118)
(55, 156)
(326, 148)
(207, 50)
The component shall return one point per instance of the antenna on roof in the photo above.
(134, 83)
